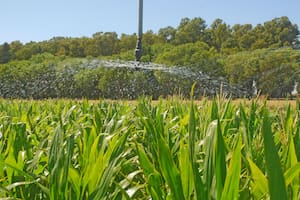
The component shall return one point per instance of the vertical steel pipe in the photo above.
(140, 18)
(138, 50)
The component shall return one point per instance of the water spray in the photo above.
(254, 88)
(295, 89)
(138, 49)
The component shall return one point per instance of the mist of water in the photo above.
(58, 81)
(295, 89)
(254, 88)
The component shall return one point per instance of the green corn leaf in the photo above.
(3, 190)
(29, 177)
(231, 186)
(170, 171)
(252, 119)
(153, 177)
(112, 160)
(198, 183)
(275, 176)
(129, 179)
(146, 165)
(292, 173)
(186, 171)
(74, 178)
(226, 109)
(291, 162)
(220, 161)
(259, 184)
(101, 191)
(210, 158)
(214, 111)
(17, 184)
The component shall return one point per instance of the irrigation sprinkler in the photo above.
(138, 49)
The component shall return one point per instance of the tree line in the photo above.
(267, 53)
(219, 36)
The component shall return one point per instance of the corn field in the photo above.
(171, 149)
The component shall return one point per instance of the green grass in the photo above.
(171, 149)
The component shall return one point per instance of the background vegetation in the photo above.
(267, 53)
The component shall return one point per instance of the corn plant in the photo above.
(170, 149)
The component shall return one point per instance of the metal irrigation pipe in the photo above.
(138, 49)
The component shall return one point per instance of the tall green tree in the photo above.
(127, 42)
(199, 56)
(149, 40)
(106, 43)
(14, 47)
(4, 53)
(190, 30)
(77, 48)
(167, 33)
(281, 32)
(243, 36)
(218, 32)
(260, 42)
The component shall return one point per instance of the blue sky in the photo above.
(38, 20)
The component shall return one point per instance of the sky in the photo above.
(39, 20)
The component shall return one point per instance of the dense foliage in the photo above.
(61, 149)
(267, 53)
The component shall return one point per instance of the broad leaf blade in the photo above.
(231, 187)
(276, 180)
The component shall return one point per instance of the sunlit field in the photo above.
(166, 149)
